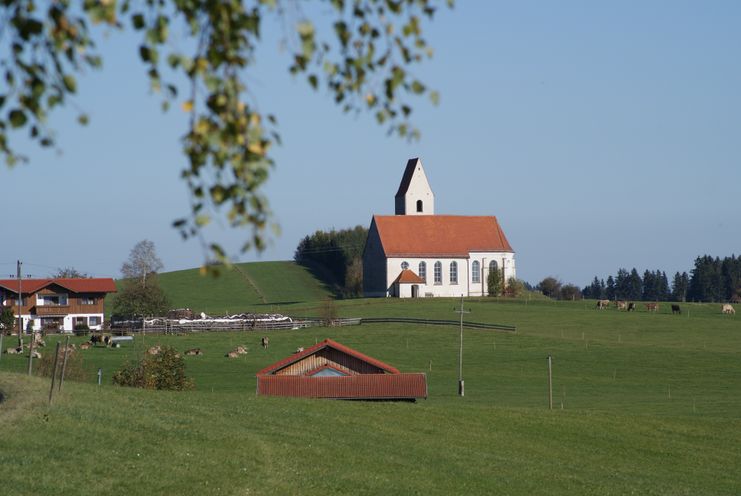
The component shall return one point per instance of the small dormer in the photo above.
(415, 196)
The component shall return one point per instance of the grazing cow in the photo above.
(652, 307)
(728, 309)
(232, 354)
(194, 352)
(86, 345)
(154, 350)
(676, 309)
(36, 354)
(14, 351)
(631, 307)
(241, 350)
(265, 342)
(300, 349)
(602, 304)
(621, 305)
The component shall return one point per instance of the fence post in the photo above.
(54, 372)
(100, 376)
(64, 363)
(550, 383)
(1, 344)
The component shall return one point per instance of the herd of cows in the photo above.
(726, 308)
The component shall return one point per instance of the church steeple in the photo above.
(415, 196)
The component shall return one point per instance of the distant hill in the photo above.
(247, 286)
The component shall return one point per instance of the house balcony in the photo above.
(51, 310)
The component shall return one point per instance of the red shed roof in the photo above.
(77, 285)
(271, 369)
(356, 387)
(439, 235)
(407, 276)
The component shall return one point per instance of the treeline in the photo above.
(712, 280)
(335, 257)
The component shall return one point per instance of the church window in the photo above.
(493, 266)
(419, 205)
(423, 271)
(475, 271)
(438, 273)
(453, 272)
(404, 265)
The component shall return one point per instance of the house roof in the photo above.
(76, 285)
(439, 235)
(327, 343)
(406, 179)
(361, 386)
(407, 276)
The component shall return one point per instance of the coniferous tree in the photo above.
(610, 288)
(663, 286)
(635, 285)
(622, 285)
(679, 286)
(649, 292)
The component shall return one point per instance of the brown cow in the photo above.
(241, 350)
(621, 305)
(728, 309)
(194, 352)
(232, 354)
(652, 307)
(86, 345)
(602, 304)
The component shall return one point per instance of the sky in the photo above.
(602, 135)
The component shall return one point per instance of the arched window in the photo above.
(475, 271)
(453, 272)
(419, 205)
(423, 271)
(404, 265)
(438, 274)
(493, 266)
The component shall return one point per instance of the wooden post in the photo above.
(1, 345)
(64, 363)
(461, 384)
(550, 383)
(100, 376)
(54, 372)
(30, 352)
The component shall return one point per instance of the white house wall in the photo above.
(503, 259)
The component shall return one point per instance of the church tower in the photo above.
(415, 196)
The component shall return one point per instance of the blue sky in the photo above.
(601, 136)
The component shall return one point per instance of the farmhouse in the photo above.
(417, 253)
(57, 303)
(332, 370)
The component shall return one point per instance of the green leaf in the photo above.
(70, 83)
(313, 81)
(83, 119)
(17, 118)
(434, 97)
(138, 21)
(417, 87)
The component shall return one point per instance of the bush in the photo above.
(515, 287)
(74, 371)
(165, 371)
(570, 292)
(82, 330)
(494, 283)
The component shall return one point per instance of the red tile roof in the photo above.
(271, 369)
(407, 276)
(90, 285)
(439, 235)
(362, 386)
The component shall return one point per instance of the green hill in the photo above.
(256, 286)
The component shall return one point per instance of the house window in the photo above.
(52, 299)
(423, 271)
(453, 272)
(475, 271)
(493, 267)
(94, 321)
(87, 300)
(404, 265)
(419, 205)
(438, 273)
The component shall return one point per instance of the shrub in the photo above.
(74, 371)
(165, 370)
(328, 312)
(82, 330)
(515, 287)
(494, 283)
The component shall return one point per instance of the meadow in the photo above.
(644, 404)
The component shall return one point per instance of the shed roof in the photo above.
(408, 276)
(439, 235)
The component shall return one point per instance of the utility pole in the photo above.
(461, 387)
(20, 304)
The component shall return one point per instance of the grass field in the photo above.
(645, 404)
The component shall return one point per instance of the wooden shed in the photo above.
(332, 370)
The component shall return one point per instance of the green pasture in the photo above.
(644, 404)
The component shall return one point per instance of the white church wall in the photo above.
(430, 288)
(503, 259)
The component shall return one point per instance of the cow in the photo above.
(652, 307)
(631, 307)
(676, 309)
(241, 350)
(300, 349)
(194, 352)
(154, 350)
(728, 309)
(14, 351)
(265, 342)
(86, 345)
(35, 354)
(232, 354)
(621, 305)
(602, 304)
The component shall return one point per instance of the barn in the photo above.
(334, 371)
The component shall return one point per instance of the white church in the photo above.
(416, 253)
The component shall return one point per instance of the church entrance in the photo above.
(415, 291)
